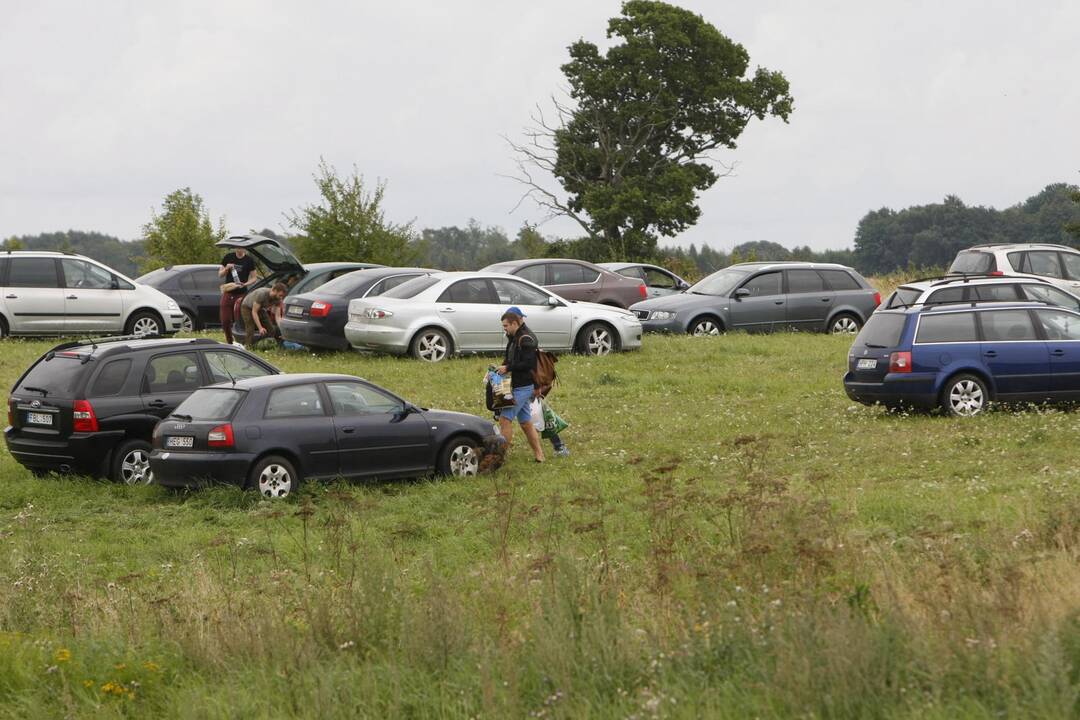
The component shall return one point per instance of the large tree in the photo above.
(632, 146)
(181, 234)
(349, 223)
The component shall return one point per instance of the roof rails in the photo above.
(1041, 244)
(121, 338)
(1013, 278)
(977, 304)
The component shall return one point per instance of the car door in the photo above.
(34, 297)
(168, 379)
(297, 417)
(550, 322)
(377, 434)
(808, 300)
(1016, 356)
(92, 299)
(758, 304)
(1062, 332)
(573, 281)
(470, 306)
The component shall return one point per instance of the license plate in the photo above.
(34, 418)
(866, 364)
(295, 310)
(180, 441)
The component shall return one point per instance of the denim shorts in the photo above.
(522, 409)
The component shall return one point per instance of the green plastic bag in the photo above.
(553, 424)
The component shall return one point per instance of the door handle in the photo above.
(196, 297)
(778, 302)
(1057, 353)
(11, 297)
(72, 297)
(156, 403)
(990, 353)
(826, 299)
(348, 430)
(446, 309)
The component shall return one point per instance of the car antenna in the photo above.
(226, 369)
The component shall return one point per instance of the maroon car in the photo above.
(576, 280)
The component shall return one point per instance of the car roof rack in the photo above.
(121, 338)
(1042, 244)
(1013, 278)
(1020, 304)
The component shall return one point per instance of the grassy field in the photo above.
(730, 538)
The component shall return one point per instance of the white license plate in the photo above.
(180, 441)
(866, 364)
(39, 418)
(295, 310)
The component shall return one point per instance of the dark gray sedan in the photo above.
(764, 297)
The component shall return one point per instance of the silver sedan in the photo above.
(435, 316)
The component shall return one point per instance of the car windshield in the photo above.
(211, 404)
(719, 283)
(56, 376)
(882, 330)
(972, 262)
(412, 288)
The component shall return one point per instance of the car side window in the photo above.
(475, 290)
(187, 281)
(804, 281)
(634, 271)
(946, 328)
(512, 292)
(3, 271)
(226, 365)
(387, 283)
(349, 398)
(763, 284)
(81, 274)
(1059, 325)
(840, 280)
(1050, 294)
(655, 278)
(207, 280)
(110, 380)
(1005, 292)
(999, 325)
(294, 401)
(536, 274)
(1019, 262)
(31, 272)
(1072, 265)
(175, 372)
(568, 274)
(946, 296)
(1043, 262)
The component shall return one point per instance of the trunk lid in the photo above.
(206, 410)
(868, 359)
(274, 254)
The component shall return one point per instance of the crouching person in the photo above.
(259, 313)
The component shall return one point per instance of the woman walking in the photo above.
(520, 361)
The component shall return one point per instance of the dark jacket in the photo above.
(520, 358)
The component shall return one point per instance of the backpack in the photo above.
(544, 374)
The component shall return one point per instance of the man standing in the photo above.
(238, 272)
(259, 313)
(520, 361)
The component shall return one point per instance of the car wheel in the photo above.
(460, 458)
(189, 324)
(3, 328)
(274, 477)
(845, 324)
(705, 326)
(131, 463)
(965, 396)
(597, 339)
(143, 323)
(431, 345)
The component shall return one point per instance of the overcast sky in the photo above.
(106, 107)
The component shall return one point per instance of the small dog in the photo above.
(495, 447)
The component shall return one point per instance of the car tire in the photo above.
(845, 324)
(460, 457)
(431, 345)
(274, 477)
(190, 324)
(3, 328)
(131, 463)
(965, 395)
(705, 325)
(597, 339)
(144, 322)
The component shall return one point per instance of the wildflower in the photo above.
(152, 666)
(62, 655)
(120, 666)
(88, 684)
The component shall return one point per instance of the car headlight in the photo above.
(661, 315)
(171, 304)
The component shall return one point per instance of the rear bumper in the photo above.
(308, 333)
(368, 336)
(195, 469)
(83, 453)
(913, 390)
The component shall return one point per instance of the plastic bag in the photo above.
(553, 424)
(537, 410)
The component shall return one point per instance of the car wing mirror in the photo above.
(741, 293)
(553, 301)
(114, 283)
(682, 285)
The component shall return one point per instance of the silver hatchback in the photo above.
(435, 316)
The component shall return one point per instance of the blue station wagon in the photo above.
(961, 358)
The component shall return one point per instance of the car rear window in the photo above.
(412, 288)
(58, 375)
(903, 297)
(950, 327)
(211, 404)
(972, 262)
(111, 378)
(882, 330)
(840, 280)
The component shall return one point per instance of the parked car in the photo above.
(763, 297)
(317, 318)
(658, 281)
(974, 288)
(435, 316)
(195, 288)
(272, 433)
(576, 280)
(89, 407)
(279, 264)
(52, 293)
(1060, 264)
(961, 358)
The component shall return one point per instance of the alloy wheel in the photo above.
(966, 398)
(845, 326)
(275, 481)
(135, 468)
(146, 326)
(706, 327)
(188, 325)
(464, 461)
(599, 341)
(432, 347)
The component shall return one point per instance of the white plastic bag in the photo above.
(537, 410)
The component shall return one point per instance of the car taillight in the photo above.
(11, 412)
(85, 420)
(643, 291)
(221, 436)
(877, 299)
(320, 309)
(900, 362)
(378, 314)
(997, 273)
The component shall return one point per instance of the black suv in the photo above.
(90, 407)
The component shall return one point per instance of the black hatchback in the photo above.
(90, 407)
(269, 434)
